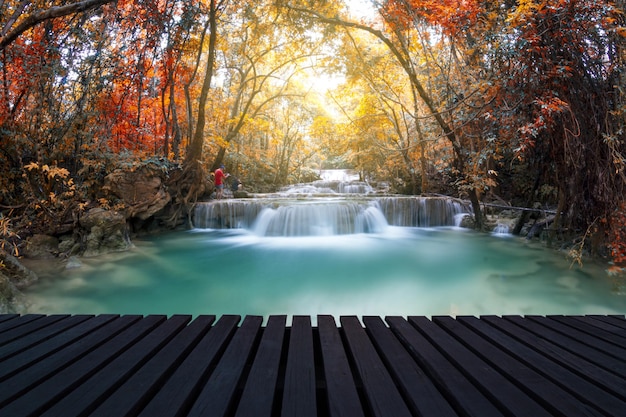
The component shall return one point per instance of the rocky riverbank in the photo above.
(135, 201)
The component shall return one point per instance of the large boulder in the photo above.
(107, 232)
(142, 190)
(12, 268)
(11, 300)
(13, 276)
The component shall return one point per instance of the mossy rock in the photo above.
(19, 275)
(11, 299)
(13, 275)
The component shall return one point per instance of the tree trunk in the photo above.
(219, 158)
(194, 151)
(189, 183)
(557, 218)
(175, 126)
(522, 220)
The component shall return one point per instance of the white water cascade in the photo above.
(501, 230)
(327, 207)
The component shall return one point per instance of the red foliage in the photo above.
(131, 111)
(453, 16)
(22, 68)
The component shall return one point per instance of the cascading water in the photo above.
(328, 187)
(324, 208)
(422, 211)
(501, 230)
(344, 254)
(227, 214)
(319, 219)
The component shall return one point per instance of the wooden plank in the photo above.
(84, 399)
(151, 366)
(590, 361)
(258, 394)
(381, 393)
(535, 352)
(19, 321)
(602, 323)
(216, 398)
(418, 389)
(45, 393)
(463, 394)
(579, 336)
(39, 336)
(620, 323)
(180, 389)
(49, 364)
(51, 346)
(135, 393)
(6, 317)
(28, 328)
(584, 380)
(341, 392)
(496, 387)
(502, 357)
(595, 328)
(299, 399)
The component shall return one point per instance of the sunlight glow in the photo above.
(361, 9)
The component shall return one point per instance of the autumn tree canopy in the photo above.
(516, 101)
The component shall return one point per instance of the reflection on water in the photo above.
(400, 271)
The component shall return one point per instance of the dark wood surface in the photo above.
(109, 365)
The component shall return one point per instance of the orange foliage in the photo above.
(23, 65)
(135, 119)
(453, 16)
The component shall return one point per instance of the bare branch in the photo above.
(51, 13)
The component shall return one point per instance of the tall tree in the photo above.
(564, 84)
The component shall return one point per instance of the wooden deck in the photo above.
(151, 366)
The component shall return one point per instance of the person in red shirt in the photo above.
(219, 181)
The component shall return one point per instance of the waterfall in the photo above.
(328, 187)
(318, 219)
(327, 207)
(339, 175)
(226, 214)
(372, 221)
(501, 230)
(354, 188)
(421, 211)
(326, 216)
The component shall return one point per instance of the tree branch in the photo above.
(402, 59)
(51, 13)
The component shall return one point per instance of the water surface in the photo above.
(401, 271)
